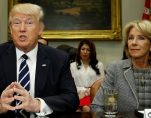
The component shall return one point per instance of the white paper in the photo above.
(141, 112)
(147, 113)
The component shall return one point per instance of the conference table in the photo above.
(92, 115)
(86, 115)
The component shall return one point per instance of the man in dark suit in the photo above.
(51, 86)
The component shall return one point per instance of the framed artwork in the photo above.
(78, 19)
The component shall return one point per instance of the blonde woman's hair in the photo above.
(143, 26)
(27, 9)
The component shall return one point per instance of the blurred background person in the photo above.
(86, 70)
(71, 51)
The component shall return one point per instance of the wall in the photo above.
(3, 20)
(107, 51)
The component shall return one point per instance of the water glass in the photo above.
(110, 102)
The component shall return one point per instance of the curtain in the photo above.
(147, 10)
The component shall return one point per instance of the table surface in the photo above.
(93, 115)
(83, 115)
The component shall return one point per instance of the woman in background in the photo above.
(85, 71)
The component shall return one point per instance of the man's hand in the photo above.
(7, 98)
(28, 103)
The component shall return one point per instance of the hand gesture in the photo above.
(27, 102)
(16, 92)
(7, 98)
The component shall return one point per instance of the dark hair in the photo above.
(93, 60)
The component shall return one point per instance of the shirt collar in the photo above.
(31, 54)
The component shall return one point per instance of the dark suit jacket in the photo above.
(53, 82)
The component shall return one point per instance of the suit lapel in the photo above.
(9, 60)
(42, 66)
(128, 73)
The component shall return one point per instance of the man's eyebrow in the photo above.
(15, 18)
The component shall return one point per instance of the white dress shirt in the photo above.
(31, 61)
(84, 78)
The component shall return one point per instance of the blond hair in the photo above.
(143, 26)
(27, 9)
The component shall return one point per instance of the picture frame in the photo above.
(79, 20)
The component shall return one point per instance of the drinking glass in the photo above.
(110, 102)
